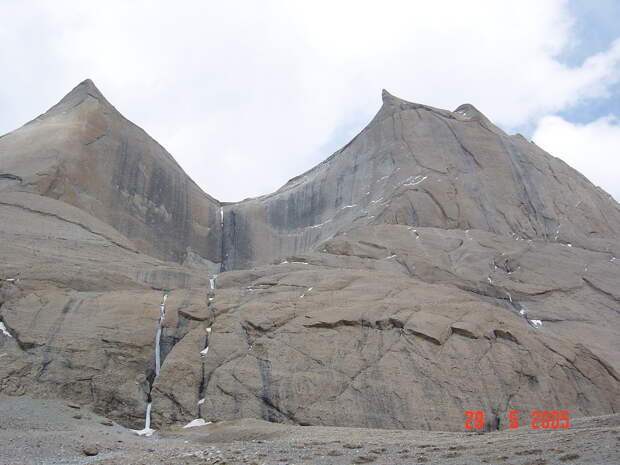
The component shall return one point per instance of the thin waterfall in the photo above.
(147, 430)
(223, 241)
(203, 354)
(162, 315)
(147, 419)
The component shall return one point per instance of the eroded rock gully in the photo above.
(431, 266)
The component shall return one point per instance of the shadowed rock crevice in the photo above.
(10, 177)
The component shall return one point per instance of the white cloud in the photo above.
(593, 148)
(247, 94)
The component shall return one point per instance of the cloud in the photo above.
(246, 95)
(593, 148)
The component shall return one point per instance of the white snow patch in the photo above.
(569, 245)
(411, 181)
(3, 330)
(204, 351)
(197, 422)
(209, 330)
(222, 217)
(201, 401)
(320, 225)
(348, 206)
(10, 280)
(390, 257)
(144, 432)
(284, 262)
(537, 323)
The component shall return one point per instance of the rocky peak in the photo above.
(422, 166)
(84, 152)
(430, 248)
(83, 91)
(413, 164)
(393, 104)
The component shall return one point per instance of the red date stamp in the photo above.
(541, 419)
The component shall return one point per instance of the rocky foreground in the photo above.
(45, 432)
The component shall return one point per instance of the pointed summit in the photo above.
(83, 152)
(397, 102)
(388, 98)
(84, 90)
(390, 105)
(393, 104)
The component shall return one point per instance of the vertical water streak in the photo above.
(162, 315)
(222, 241)
(147, 431)
(147, 420)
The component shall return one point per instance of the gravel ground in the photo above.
(36, 432)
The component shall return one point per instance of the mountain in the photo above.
(84, 152)
(431, 266)
(421, 166)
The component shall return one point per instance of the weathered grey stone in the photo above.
(84, 152)
(433, 265)
(380, 351)
(421, 166)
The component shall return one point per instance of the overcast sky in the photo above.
(246, 95)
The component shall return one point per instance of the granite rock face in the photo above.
(433, 265)
(80, 307)
(333, 342)
(421, 166)
(84, 152)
